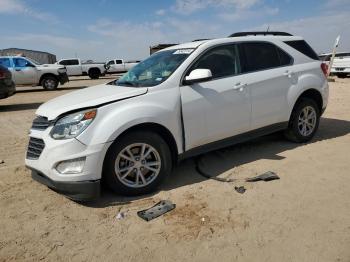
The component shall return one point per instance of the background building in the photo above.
(39, 56)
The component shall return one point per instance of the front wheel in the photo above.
(137, 163)
(49, 83)
(304, 121)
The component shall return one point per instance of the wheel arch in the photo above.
(157, 128)
(45, 75)
(313, 94)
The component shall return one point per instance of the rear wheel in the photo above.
(304, 121)
(94, 73)
(49, 83)
(137, 163)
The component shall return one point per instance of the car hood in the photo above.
(50, 66)
(88, 97)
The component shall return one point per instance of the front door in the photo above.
(219, 108)
(24, 72)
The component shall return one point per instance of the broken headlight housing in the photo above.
(73, 125)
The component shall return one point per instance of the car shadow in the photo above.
(19, 107)
(217, 162)
(43, 90)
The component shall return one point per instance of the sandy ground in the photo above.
(304, 216)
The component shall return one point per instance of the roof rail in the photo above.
(197, 40)
(260, 33)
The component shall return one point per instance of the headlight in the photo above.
(62, 70)
(73, 125)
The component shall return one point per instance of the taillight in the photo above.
(324, 68)
(2, 74)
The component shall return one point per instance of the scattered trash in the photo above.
(268, 176)
(120, 216)
(203, 219)
(157, 210)
(2, 162)
(240, 189)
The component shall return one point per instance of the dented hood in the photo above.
(88, 97)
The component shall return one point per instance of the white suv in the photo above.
(182, 101)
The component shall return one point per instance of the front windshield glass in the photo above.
(33, 61)
(155, 69)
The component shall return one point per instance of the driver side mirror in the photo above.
(198, 75)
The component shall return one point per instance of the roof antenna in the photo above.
(268, 28)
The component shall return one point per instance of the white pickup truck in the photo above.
(76, 68)
(27, 72)
(119, 66)
(341, 64)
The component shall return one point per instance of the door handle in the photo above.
(239, 87)
(288, 74)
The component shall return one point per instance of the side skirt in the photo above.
(233, 140)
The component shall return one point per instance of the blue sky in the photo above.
(103, 29)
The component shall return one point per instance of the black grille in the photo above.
(40, 123)
(35, 148)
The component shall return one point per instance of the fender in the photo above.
(157, 107)
(306, 82)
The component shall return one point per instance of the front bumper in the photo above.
(76, 186)
(340, 70)
(63, 78)
(78, 191)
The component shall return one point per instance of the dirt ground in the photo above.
(304, 216)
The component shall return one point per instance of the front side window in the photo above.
(20, 62)
(222, 61)
(111, 62)
(5, 62)
(64, 62)
(259, 56)
(155, 69)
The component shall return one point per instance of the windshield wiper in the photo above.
(127, 83)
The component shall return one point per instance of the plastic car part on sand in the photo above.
(157, 210)
(268, 176)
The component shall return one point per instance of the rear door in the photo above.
(219, 108)
(73, 66)
(24, 72)
(269, 73)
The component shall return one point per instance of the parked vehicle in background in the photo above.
(119, 66)
(28, 72)
(76, 68)
(7, 86)
(181, 101)
(341, 63)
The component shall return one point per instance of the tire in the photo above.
(49, 83)
(341, 75)
(116, 166)
(297, 131)
(94, 73)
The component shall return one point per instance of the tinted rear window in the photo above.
(261, 56)
(304, 48)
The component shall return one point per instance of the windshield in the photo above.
(33, 61)
(155, 69)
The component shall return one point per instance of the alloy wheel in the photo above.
(307, 121)
(137, 165)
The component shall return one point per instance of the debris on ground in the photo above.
(157, 210)
(120, 216)
(268, 176)
(2, 162)
(240, 189)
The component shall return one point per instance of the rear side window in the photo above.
(5, 62)
(119, 62)
(222, 61)
(74, 62)
(259, 56)
(304, 48)
(285, 59)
